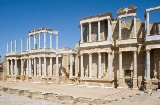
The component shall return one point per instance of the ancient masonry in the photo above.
(112, 53)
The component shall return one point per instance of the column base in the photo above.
(120, 83)
(99, 77)
(135, 86)
(57, 80)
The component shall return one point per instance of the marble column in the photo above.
(135, 64)
(15, 46)
(99, 65)
(71, 68)
(148, 64)
(16, 69)
(35, 67)
(27, 44)
(7, 47)
(90, 65)
(11, 66)
(45, 71)
(57, 66)
(29, 68)
(51, 66)
(109, 30)
(90, 37)
(82, 69)
(135, 32)
(21, 44)
(99, 30)
(81, 33)
(11, 47)
(40, 66)
(34, 41)
(147, 22)
(110, 69)
(22, 63)
(50, 40)
(120, 65)
(8, 67)
(120, 28)
(39, 40)
(56, 41)
(27, 71)
(44, 40)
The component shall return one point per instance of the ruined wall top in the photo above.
(129, 10)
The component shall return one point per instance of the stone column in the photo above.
(99, 65)
(39, 40)
(40, 66)
(147, 23)
(120, 71)
(21, 44)
(109, 30)
(51, 66)
(81, 33)
(135, 70)
(120, 28)
(44, 40)
(90, 65)
(90, 39)
(110, 70)
(50, 40)
(34, 41)
(35, 67)
(15, 45)
(99, 30)
(71, 69)
(22, 72)
(56, 41)
(82, 70)
(11, 66)
(27, 71)
(8, 67)
(29, 68)
(11, 47)
(16, 70)
(29, 43)
(7, 47)
(148, 64)
(57, 66)
(45, 74)
(135, 32)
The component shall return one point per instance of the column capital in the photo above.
(99, 52)
(90, 53)
(81, 54)
(109, 52)
(120, 52)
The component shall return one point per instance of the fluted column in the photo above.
(90, 65)
(120, 65)
(44, 40)
(35, 67)
(11, 66)
(45, 74)
(71, 69)
(147, 22)
(135, 33)
(109, 30)
(56, 41)
(99, 30)
(110, 64)
(39, 40)
(51, 66)
(148, 64)
(34, 41)
(50, 40)
(57, 66)
(29, 69)
(81, 33)
(90, 32)
(82, 70)
(7, 47)
(135, 64)
(29, 42)
(22, 63)
(11, 47)
(120, 28)
(99, 65)
(40, 66)
(15, 46)
(16, 70)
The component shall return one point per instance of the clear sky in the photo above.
(17, 17)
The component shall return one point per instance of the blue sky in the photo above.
(17, 17)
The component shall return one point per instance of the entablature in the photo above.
(126, 42)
